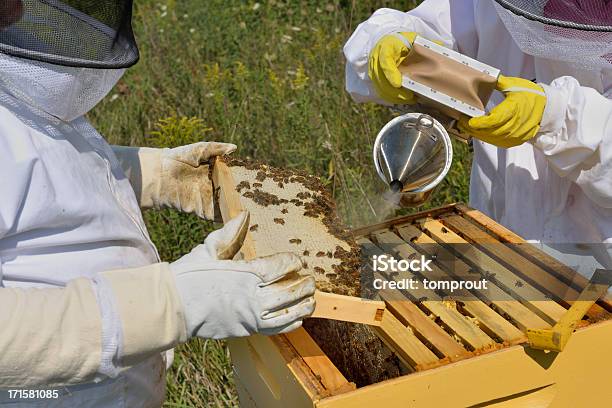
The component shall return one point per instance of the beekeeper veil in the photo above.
(64, 56)
(578, 32)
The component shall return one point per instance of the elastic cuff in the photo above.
(150, 168)
(150, 311)
(387, 31)
(111, 327)
(403, 39)
(553, 117)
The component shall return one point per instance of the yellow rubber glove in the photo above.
(515, 120)
(388, 53)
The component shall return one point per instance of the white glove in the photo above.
(223, 298)
(176, 178)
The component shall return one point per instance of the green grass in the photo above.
(268, 76)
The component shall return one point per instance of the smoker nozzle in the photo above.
(396, 186)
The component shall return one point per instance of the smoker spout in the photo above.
(396, 186)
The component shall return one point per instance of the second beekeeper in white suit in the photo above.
(543, 164)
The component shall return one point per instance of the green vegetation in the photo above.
(269, 77)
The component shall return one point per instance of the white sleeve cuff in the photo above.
(553, 118)
(150, 168)
(149, 309)
(554, 112)
(111, 327)
(142, 166)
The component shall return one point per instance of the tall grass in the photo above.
(269, 77)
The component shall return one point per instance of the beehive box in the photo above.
(468, 352)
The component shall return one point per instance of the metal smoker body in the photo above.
(412, 154)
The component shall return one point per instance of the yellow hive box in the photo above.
(473, 356)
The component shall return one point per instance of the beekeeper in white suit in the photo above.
(543, 166)
(86, 306)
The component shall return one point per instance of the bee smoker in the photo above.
(413, 152)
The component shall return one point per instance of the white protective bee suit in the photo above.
(86, 307)
(557, 189)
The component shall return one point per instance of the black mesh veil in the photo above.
(77, 33)
(585, 15)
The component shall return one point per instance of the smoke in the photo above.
(389, 204)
